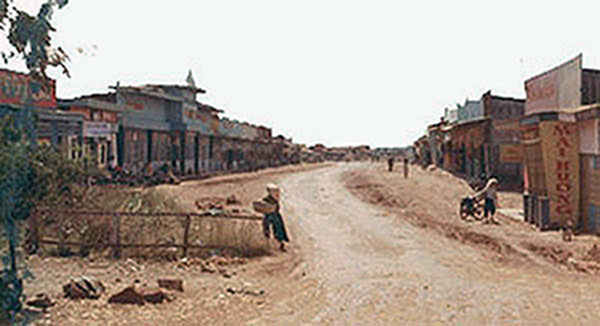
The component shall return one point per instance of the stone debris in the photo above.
(583, 266)
(232, 200)
(171, 284)
(42, 301)
(245, 291)
(210, 203)
(225, 261)
(220, 205)
(214, 264)
(139, 296)
(593, 254)
(208, 267)
(129, 295)
(83, 288)
(225, 273)
(154, 295)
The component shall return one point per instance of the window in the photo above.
(103, 154)
(595, 162)
(75, 148)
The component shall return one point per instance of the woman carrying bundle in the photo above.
(269, 206)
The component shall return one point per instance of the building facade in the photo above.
(20, 91)
(560, 145)
(100, 128)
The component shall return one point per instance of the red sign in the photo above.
(561, 160)
(195, 115)
(555, 89)
(22, 89)
(136, 106)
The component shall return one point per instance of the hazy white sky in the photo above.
(332, 71)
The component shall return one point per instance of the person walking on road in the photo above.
(405, 168)
(272, 218)
(390, 163)
(490, 193)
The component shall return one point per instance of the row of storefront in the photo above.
(478, 138)
(142, 128)
(546, 146)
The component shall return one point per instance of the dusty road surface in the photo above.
(366, 265)
(368, 248)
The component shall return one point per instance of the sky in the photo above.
(323, 71)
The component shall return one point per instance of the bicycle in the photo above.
(469, 206)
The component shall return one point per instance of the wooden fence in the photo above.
(37, 236)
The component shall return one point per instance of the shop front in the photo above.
(100, 141)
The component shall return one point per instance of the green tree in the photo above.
(30, 36)
(16, 178)
(30, 176)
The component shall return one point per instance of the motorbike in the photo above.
(469, 206)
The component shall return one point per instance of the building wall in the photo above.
(590, 86)
(534, 161)
(555, 89)
(147, 111)
(590, 192)
(588, 136)
(506, 137)
(468, 147)
(22, 89)
(135, 152)
(499, 108)
(471, 110)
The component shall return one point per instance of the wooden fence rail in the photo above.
(115, 236)
(173, 214)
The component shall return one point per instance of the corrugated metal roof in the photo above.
(187, 87)
(95, 103)
(159, 94)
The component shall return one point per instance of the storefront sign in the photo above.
(22, 89)
(555, 89)
(511, 153)
(98, 129)
(561, 164)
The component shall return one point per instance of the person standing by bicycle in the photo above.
(490, 194)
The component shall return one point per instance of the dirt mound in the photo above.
(229, 205)
(206, 203)
(593, 254)
(588, 263)
(555, 254)
(374, 193)
(465, 235)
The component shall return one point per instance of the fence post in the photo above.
(186, 233)
(62, 249)
(116, 236)
(34, 229)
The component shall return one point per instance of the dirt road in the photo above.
(364, 265)
(368, 248)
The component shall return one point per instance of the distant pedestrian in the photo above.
(269, 206)
(567, 232)
(405, 168)
(490, 193)
(391, 164)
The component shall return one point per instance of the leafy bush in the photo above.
(30, 175)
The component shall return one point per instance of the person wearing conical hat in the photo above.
(273, 219)
(490, 193)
